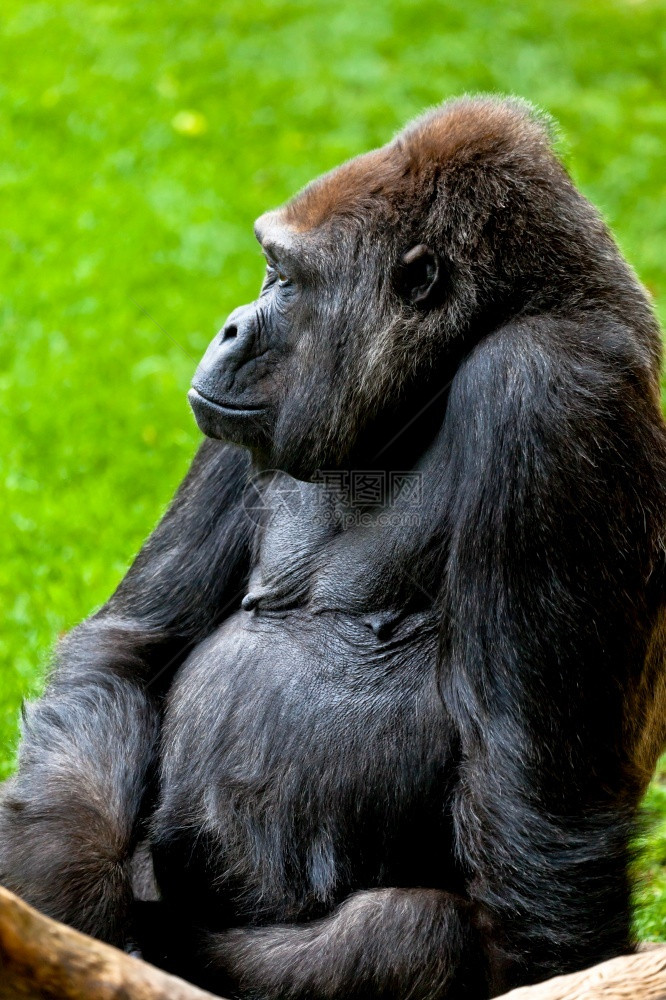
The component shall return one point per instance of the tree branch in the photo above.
(41, 959)
(629, 977)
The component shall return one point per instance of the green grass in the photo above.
(140, 142)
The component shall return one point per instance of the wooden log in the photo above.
(629, 977)
(41, 959)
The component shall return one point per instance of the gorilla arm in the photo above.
(378, 943)
(68, 819)
(556, 455)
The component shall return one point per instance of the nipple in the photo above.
(381, 623)
(251, 600)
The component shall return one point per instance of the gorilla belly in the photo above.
(303, 757)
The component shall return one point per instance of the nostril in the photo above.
(229, 332)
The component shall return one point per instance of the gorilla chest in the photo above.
(322, 554)
(306, 739)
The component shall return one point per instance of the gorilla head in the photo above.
(375, 274)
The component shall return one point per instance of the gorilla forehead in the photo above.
(447, 139)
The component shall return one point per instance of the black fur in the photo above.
(375, 745)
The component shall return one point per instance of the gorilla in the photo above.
(373, 710)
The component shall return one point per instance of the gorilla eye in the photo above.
(274, 273)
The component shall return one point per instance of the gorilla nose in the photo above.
(240, 326)
(228, 351)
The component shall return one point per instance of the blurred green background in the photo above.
(139, 143)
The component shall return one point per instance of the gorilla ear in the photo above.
(420, 276)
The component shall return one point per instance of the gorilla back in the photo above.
(379, 697)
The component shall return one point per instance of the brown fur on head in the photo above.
(451, 137)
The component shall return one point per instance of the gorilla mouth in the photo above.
(199, 399)
(225, 421)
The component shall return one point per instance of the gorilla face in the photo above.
(303, 375)
(300, 375)
(254, 367)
